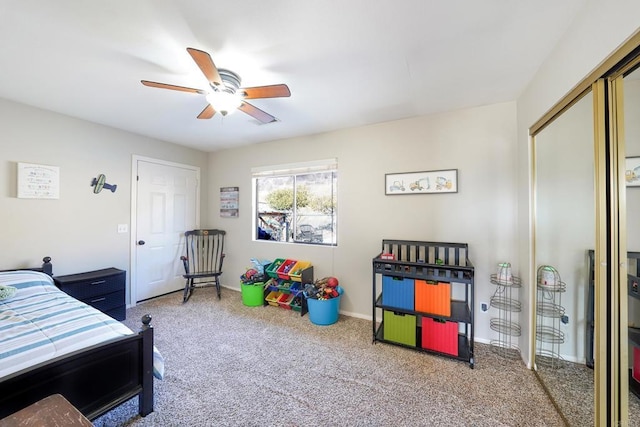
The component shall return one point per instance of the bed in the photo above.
(52, 343)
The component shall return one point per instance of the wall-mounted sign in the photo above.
(229, 202)
(38, 181)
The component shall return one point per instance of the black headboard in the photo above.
(46, 268)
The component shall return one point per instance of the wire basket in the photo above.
(550, 309)
(549, 334)
(505, 327)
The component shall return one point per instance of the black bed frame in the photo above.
(95, 380)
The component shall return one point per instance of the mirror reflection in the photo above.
(564, 234)
(632, 153)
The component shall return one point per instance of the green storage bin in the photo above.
(272, 269)
(400, 328)
(252, 295)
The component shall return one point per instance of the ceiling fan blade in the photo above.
(172, 87)
(256, 113)
(206, 65)
(273, 91)
(207, 113)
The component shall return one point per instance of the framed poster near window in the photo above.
(229, 202)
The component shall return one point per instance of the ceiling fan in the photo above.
(225, 94)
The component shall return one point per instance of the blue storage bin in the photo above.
(398, 292)
(325, 312)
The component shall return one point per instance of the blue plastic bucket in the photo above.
(325, 312)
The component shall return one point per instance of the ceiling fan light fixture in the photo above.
(225, 98)
(224, 102)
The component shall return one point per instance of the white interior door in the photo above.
(166, 206)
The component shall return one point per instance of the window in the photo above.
(297, 203)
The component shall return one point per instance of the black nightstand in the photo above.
(102, 289)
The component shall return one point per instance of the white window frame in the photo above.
(291, 169)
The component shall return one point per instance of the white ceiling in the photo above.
(347, 62)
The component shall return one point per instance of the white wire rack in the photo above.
(550, 312)
(505, 300)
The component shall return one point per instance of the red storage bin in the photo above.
(636, 364)
(433, 297)
(440, 335)
(286, 267)
(285, 301)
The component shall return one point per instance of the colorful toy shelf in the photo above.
(286, 283)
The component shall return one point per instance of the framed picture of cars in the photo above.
(426, 182)
(632, 171)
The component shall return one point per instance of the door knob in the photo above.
(141, 242)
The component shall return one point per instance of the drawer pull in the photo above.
(98, 282)
(98, 299)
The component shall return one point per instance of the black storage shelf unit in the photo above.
(433, 262)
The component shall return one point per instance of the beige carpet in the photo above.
(572, 386)
(231, 365)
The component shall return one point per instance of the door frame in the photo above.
(134, 214)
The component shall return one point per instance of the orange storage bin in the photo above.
(433, 297)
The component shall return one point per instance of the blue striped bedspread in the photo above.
(40, 322)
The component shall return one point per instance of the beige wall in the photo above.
(78, 230)
(479, 142)
(598, 30)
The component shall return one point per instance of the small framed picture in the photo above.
(427, 182)
(632, 171)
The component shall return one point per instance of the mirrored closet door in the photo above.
(629, 87)
(564, 239)
(586, 258)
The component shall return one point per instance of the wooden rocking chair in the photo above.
(203, 260)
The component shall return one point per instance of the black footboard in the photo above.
(94, 380)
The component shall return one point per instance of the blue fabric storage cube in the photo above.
(398, 292)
